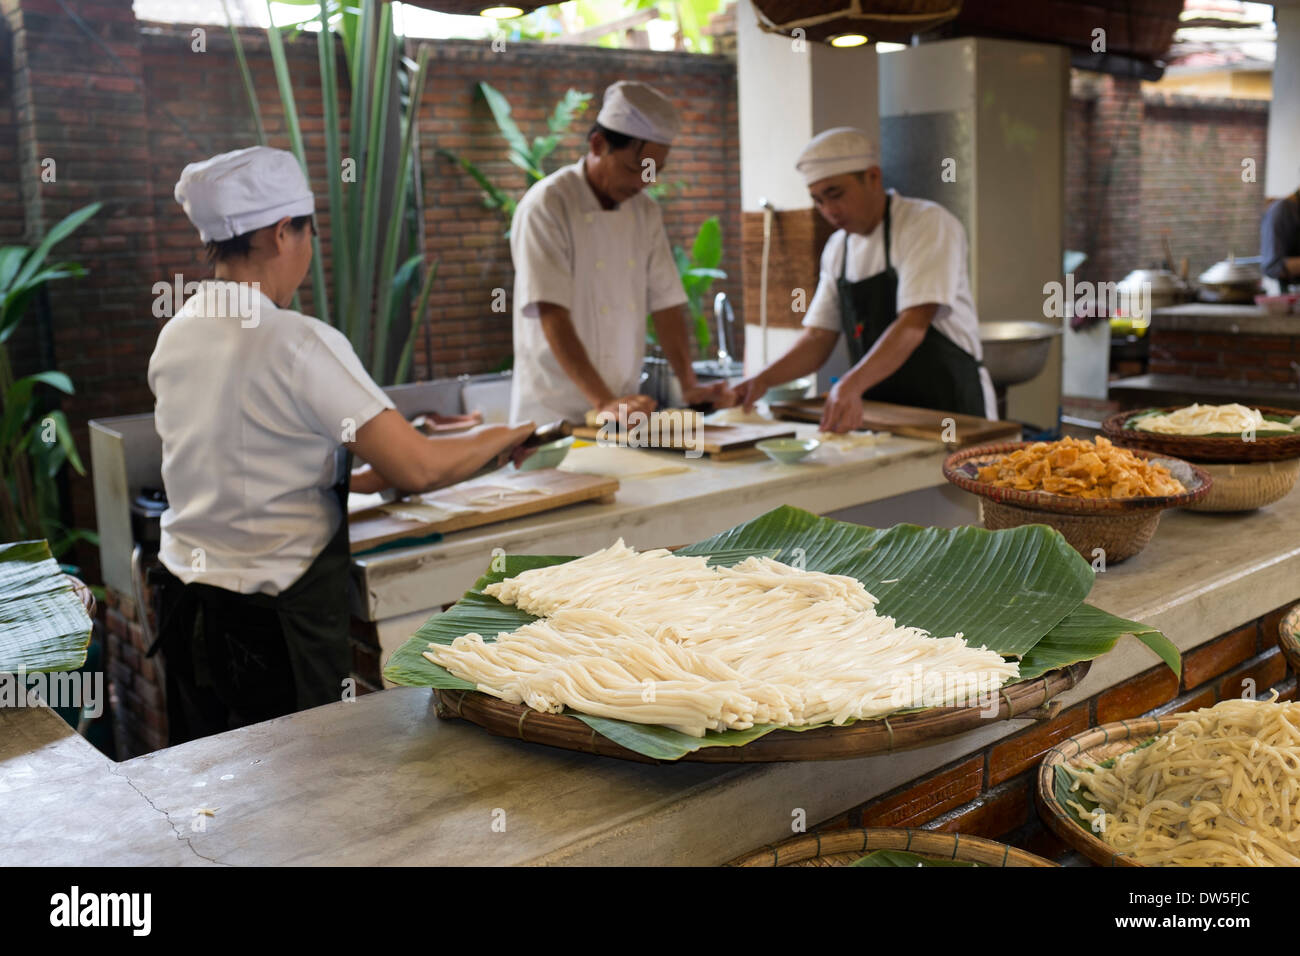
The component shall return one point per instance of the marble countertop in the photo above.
(383, 781)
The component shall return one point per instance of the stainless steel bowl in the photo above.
(1015, 352)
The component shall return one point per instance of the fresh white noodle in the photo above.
(655, 638)
(1210, 420)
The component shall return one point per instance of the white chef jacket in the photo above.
(928, 250)
(252, 420)
(608, 267)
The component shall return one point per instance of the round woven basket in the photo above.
(1245, 486)
(1200, 448)
(858, 739)
(83, 592)
(1288, 638)
(1117, 537)
(1092, 746)
(1120, 527)
(844, 847)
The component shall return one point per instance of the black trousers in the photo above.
(227, 662)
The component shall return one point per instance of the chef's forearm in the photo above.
(572, 354)
(670, 327)
(809, 353)
(892, 349)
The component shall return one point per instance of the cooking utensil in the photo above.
(1231, 280)
(1015, 352)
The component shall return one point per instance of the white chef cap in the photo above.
(640, 111)
(844, 149)
(237, 192)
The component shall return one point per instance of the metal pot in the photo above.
(1230, 281)
(1015, 352)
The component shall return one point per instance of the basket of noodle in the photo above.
(1218, 786)
(1251, 453)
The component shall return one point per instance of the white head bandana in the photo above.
(237, 192)
(640, 111)
(844, 149)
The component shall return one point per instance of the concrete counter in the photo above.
(1232, 319)
(383, 781)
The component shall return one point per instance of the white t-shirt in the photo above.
(252, 420)
(608, 267)
(927, 247)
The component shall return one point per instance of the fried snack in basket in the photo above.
(1081, 469)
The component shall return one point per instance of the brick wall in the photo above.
(1229, 358)
(1142, 168)
(991, 793)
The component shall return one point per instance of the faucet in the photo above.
(723, 315)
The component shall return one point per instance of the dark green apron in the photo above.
(237, 659)
(940, 374)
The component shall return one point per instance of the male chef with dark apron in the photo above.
(894, 283)
(260, 409)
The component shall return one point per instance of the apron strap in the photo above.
(844, 260)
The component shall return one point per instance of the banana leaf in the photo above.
(1012, 591)
(43, 624)
(904, 858)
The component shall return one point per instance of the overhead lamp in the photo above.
(848, 40)
(501, 13)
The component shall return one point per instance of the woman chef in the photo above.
(591, 259)
(893, 281)
(256, 405)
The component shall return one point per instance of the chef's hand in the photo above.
(717, 394)
(621, 408)
(843, 409)
(513, 437)
(750, 390)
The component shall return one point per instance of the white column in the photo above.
(790, 90)
(1283, 164)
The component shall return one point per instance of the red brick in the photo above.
(1266, 670)
(929, 798)
(1019, 753)
(1137, 695)
(1219, 655)
(1194, 700)
(992, 814)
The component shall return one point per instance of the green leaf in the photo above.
(500, 108)
(60, 231)
(1009, 590)
(1002, 589)
(421, 311)
(43, 624)
(905, 858)
(570, 106)
(707, 251)
(1087, 633)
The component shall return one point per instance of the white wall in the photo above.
(1282, 175)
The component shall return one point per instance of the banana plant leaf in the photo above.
(1012, 591)
(904, 858)
(43, 624)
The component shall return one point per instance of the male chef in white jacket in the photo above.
(894, 282)
(591, 260)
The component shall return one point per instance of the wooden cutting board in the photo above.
(721, 442)
(909, 422)
(373, 527)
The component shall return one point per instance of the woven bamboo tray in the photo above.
(1092, 746)
(844, 847)
(1245, 486)
(1199, 448)
(859, 739)
(1288, 638)
(1119, 527)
